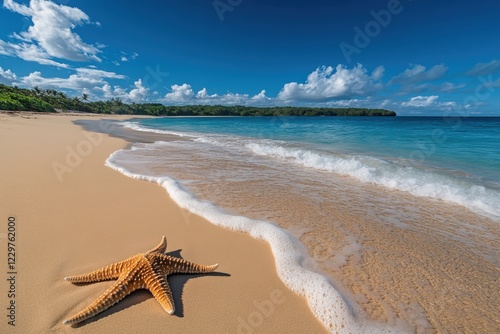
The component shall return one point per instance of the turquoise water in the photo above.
(330, 183)
(465, 145)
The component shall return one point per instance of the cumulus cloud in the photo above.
(184, 94)
(427, 102)
(85, 78)
(203, 94)
(484, 68)
(51, 34)
(230, 98)
(327, 83)
(115, 92)
(139, 93)
(261, 97)
(7, 77)
(419, 73)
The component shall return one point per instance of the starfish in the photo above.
(142, 271)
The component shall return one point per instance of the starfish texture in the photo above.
(142, 271)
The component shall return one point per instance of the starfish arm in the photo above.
(145, 270)
(162, 246)
(162, 293)
(119, 290)
(180, 266)
(106, 273)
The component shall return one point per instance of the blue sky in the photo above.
(417, 57)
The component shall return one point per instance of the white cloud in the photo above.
(445, 87)
(420, 101)
(18, 8)
(28, 52)
(50, 35)
(448, 87)
(115, 92)
(419, 73)
(7, 77)
(85, 78)
(95, 73)
(378, 73)
(427, 102)
(139, 93)
(484, 68)
(123, 58)
(182, 93)
(261, 97)
(327, 83)
(202, 93)
(347, 103)
(230, 98)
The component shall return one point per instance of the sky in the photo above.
(416, 57)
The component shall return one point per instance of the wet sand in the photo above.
(402, 259)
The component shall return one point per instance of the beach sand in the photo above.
(83, 216)
(419, 264)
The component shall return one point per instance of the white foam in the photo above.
(135, 126)
(326, 303)
(419, 182)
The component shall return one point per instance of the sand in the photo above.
(416, 263)
(73, 215)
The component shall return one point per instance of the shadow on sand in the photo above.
(176, 283)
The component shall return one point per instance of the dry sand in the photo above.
(92, 216)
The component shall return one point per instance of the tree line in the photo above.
(50, 100)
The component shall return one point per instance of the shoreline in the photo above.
(374, 272)
(329, 306)
(77, 225)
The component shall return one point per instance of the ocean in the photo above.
(340, 199)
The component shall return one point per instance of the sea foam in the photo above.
(326, 303)
(392, 175)
(135, 126)
(416, 180)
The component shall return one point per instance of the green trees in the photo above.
(7, 103)
(36, 99)
(14, 101)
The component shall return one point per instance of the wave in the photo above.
(418, 181)
(137, 127)
(326, 303)
(392, 175)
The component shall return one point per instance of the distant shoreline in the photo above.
(50, 100)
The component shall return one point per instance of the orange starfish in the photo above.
(142, 271)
